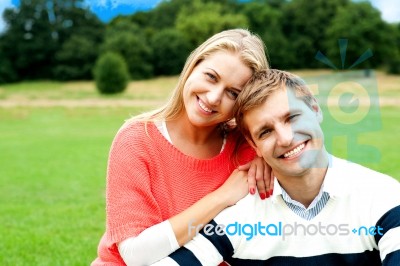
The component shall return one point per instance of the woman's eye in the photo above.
(211, 76)
(233, 94)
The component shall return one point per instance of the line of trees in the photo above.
(62, 39)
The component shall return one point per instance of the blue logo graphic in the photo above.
(350, 103)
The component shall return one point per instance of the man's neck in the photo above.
(306, 187)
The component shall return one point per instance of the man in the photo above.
(324, 210)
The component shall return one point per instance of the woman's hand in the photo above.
(259, 175)
(234, 189)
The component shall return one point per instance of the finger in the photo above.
(251, 178)
(251, 181)
(267, 179)
(244, 167)
(261, 190)
(261, 186)
(272, 183)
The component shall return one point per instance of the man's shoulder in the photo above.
(249, 209)
(352, 179)
(351, 170)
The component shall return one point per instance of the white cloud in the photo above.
(3, 5)
(101, 3)
(116, 3)
(390, 9)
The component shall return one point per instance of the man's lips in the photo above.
(294, 151)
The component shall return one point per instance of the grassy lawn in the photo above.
(154, 89)
(53, 166)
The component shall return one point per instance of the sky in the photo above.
(108, 9)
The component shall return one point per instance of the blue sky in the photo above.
(108, 9)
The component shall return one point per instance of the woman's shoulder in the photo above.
(133, 125)
(134, 131)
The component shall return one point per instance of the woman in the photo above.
(175, 166)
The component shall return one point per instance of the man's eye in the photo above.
(264, 133)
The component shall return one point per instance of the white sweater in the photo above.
(359, 225)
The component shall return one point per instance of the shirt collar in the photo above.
(314, 202)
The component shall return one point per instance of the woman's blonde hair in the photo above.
(248, 46)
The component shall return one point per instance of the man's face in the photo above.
(287, 133)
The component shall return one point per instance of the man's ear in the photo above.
(317, 109)
(253, 145)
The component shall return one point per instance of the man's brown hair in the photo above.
(260, 86)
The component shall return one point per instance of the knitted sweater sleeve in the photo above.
(130, 204)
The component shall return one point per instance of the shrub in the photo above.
(111, 73)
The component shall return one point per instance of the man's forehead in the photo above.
(279, 103)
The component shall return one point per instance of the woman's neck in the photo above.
(199, 142)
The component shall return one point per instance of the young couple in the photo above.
(172, 168)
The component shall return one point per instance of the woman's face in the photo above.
(211, 89)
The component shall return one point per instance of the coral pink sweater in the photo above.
(149, 181)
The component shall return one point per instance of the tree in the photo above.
(393, 62)
(7, 73)
(364, 29)
(266, 21)
(170, 50)
(75, 59)
(29, 43)
(38, 29)
(200, 20)
(129, 41)
(111, 73)
(304, 24)
(162, 16)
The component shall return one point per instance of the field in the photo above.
(54, 142)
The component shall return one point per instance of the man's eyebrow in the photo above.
(268, 126)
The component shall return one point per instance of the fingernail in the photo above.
(252, 191)
(262, 196)
(271, 192)
(267, 194)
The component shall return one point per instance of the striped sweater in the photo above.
(359, 225)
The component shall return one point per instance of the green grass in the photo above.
(372, 142)
(53, 167)
(53, 179)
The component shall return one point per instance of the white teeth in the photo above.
(204, 107)
(294, 151)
